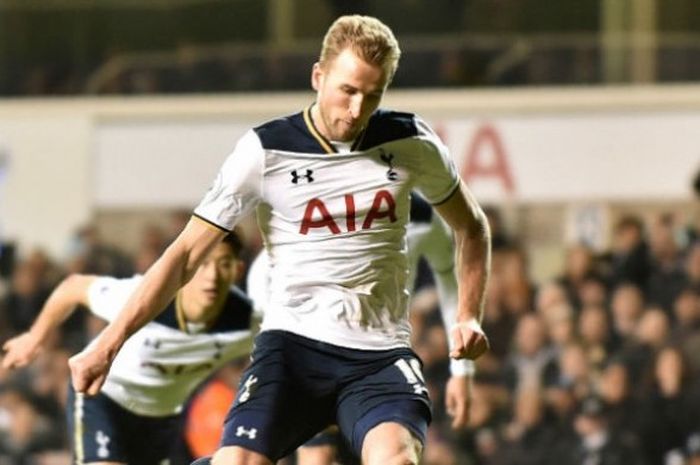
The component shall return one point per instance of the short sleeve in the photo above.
(436, 178)
(236, 189)
(107, 295)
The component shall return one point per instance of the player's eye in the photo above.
(227, 263)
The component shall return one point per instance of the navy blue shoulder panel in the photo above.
(168, 317)
(288, 133)
(236, 314)
(386, 126)
(421, 210)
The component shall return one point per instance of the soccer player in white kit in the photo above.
(135, 417)
(330, 186)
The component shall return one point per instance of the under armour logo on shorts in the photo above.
(251, 433)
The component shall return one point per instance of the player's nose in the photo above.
(356, 106)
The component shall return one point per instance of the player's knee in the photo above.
(391, 444)
(234, 455)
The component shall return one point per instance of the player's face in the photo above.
(348, 91)
(212, 280)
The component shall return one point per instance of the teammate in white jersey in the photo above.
(428, 237)
(331, 188)
(134, 419)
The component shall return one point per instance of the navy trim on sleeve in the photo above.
(221, 228)
(448, 196)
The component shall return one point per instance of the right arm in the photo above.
(72, 291)
(160, 283)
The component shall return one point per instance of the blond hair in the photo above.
(367, 37)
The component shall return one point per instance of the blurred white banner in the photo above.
(532, 158)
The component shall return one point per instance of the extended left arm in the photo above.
(473, 262)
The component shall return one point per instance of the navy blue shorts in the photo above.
(103, 431)
(296, 387)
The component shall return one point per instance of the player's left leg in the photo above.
(384, 415)
(391, 444)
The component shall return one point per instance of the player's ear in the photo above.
(316, 76)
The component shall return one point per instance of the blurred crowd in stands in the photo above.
(462, 63)
(599, 364)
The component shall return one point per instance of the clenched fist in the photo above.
(468, 340)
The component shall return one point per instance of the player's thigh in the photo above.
(394, 394)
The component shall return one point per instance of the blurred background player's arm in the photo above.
(71, 292)
(169, 273)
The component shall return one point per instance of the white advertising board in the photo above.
(522, 158)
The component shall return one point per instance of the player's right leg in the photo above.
(384, 415)
(391, 443)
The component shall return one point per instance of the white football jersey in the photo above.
(161, 364)
(429, 237)
(334, 224)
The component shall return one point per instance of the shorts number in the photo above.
(411, 370)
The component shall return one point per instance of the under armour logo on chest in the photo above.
(296, 176)
(388, 158)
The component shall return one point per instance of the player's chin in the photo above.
(345, 133)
